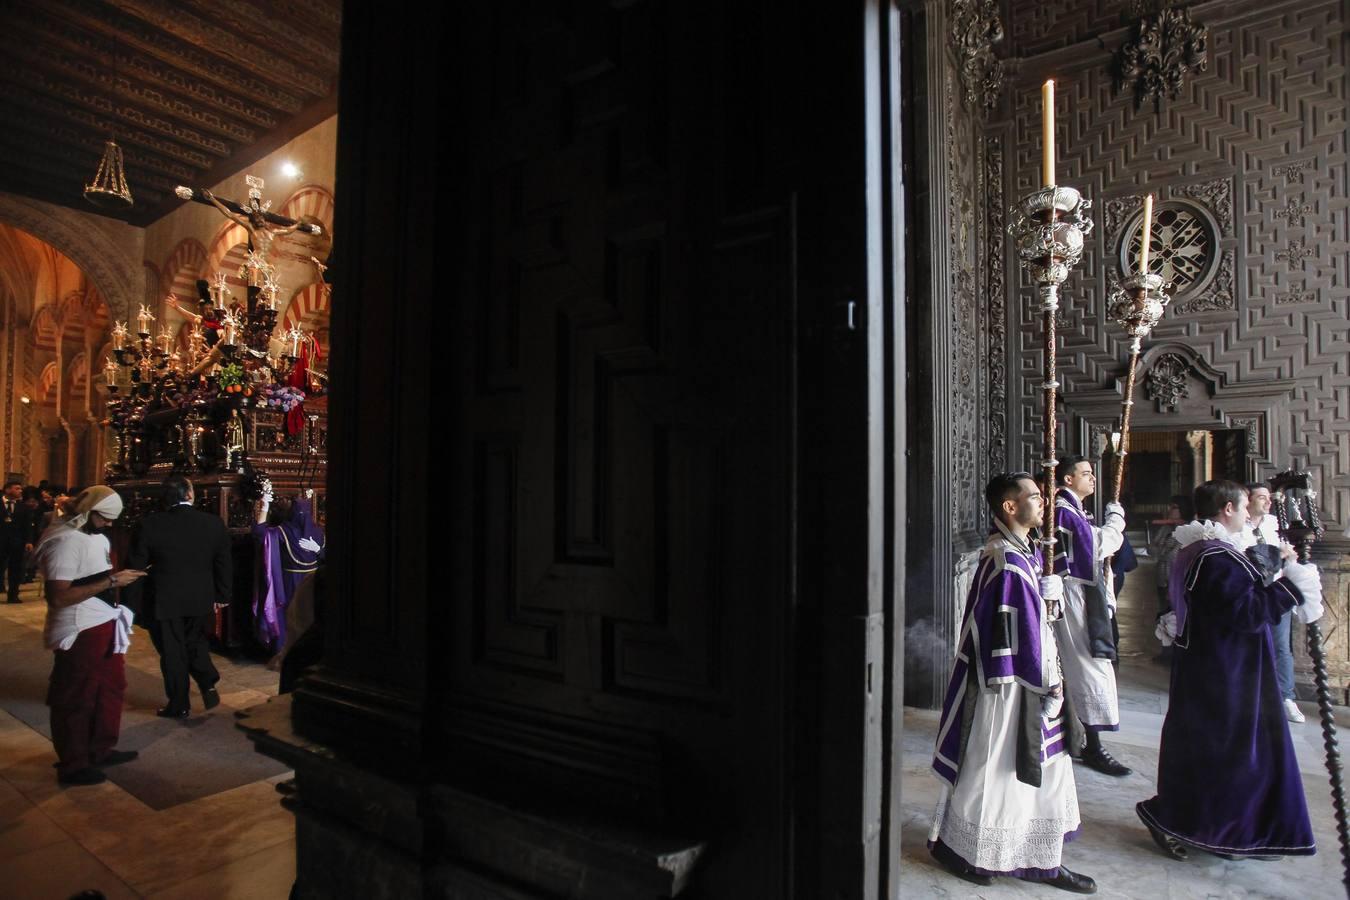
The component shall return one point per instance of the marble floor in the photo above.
(55, 841)
(240, 843)
(1114, 847)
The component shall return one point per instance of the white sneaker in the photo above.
(1292, 712)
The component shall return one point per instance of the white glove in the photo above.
(310, 544)
(1166, 630)
(1051, 705)
(1308, 580)
(1052, 588)
(1115, 509)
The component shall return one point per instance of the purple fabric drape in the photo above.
(1228, 780)
(1076, 553)
(283, 565)
(1001, 636)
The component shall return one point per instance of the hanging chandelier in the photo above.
(109, 188)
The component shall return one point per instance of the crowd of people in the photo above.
(178, 572)
(1033, 686)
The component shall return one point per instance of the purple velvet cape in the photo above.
(284, 564)
(1228, 780)
(1001, 637)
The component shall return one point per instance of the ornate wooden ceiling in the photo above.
(192, 90)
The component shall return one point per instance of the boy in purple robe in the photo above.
(290, 543)
(1085, 632)
(1008, 798)
(1228, 780)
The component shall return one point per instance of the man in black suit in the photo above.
(18, 534)
(187, 553)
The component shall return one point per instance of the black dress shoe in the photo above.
(954, 864)
(1104, 762)
(1066, 880)
(117, 757)
(169, 713)
(1168, 844)
(210, 698)
(87, 775)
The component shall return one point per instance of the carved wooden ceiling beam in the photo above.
(98, 51)
(135, 34)
(256, 23)
(98, 102)
(173, 19)
(52, 132)
(97, 77)
(100, 124)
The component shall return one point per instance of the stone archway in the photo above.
(91, 242)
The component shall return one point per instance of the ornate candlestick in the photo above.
(1137, 305)
(1301, 525)
(1048, 226)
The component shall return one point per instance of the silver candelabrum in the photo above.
(1137, 304)
(1048, 226)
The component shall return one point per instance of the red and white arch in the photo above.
(310, 200)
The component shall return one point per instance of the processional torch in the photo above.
(1301, 525)
(1048, 226)
(1137, 305)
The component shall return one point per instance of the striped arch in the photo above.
(311, 200)
(45, 329)
(77, 379)
(97, 320)
(309, 309)
(70, 314)
(179, 274)
(46, 391)
(229, 250)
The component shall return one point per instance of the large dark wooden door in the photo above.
(630, 347)
(608, 451)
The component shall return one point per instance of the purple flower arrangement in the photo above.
(282, 397)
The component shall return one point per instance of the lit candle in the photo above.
(143, 320)
(1048, 132)
(231, 324)
(1148, 235)
(119, 336)
(165, 339)
(110, 373)
(296, 335)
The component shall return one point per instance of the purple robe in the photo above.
(1228, 780)
(1001, 636)
(284, 564)
(1075, 544)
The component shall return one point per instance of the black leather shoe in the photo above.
(168, 713)
(958, 866)
(87, 775)
(1168, 844)
(117, 757)
(1105, 763)
(210, 698)
(1066, 880)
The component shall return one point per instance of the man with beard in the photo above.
(1008, 799)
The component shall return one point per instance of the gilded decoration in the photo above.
(1166, 47)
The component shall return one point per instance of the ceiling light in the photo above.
(25, 399)
(290, 169)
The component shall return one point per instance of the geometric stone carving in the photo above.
(1166, 46)
(1166, 382)
(975, 28)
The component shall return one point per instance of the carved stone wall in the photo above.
(1258, 141)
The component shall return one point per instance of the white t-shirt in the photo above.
(67, 554)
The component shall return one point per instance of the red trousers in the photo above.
(85, 695)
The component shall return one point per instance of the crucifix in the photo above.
(262, 227)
